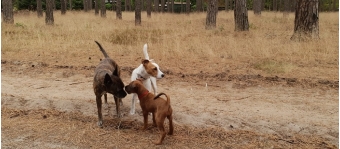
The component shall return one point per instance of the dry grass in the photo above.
(176, 40)
(55, 129)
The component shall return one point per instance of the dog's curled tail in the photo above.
(167, 97)
(102, 49)
(145, 51)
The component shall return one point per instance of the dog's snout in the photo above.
(162, 75)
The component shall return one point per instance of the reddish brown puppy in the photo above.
(159, 107)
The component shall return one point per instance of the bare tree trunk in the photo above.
(162, 5)
(286, 6)
(211, 14)
(89, 5)
(39, 9)
(53, 4)
(63, 6)
(49, 19)
(156, 6)
(275, 5)
(96, 7)
(226, 5)
(241, 16)
(85, 5)
(306, 24)
(148, 8)
(257, 7)
(138, 17)
(7, 13)
(199, 5)
(172, 6)
(334, 5)
(70, 2)
(187, 6)
(128, 5)
(181, 6)
(119, 10)
(102, 9)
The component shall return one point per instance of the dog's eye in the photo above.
(155, 68)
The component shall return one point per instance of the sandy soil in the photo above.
(46, 106)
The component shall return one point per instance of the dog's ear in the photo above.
(145, 61)
(107, 80)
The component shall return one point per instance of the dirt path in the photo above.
(48, 110)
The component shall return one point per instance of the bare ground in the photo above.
(45, 106)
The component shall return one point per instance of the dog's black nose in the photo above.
(162, 75)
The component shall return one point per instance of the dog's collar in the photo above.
(140, 96)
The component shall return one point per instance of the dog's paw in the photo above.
(100, 124)
(132, 112)
(157, 142)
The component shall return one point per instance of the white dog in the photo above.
(148, 71)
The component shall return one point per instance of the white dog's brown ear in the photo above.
(145, 61)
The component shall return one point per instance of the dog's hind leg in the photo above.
(117, 101)
(99, 107)
(160, 124)
(171, 126)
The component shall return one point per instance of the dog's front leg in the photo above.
(134, 98)
(154, 84)
(145, 115)
(117, 101)
(99, 107)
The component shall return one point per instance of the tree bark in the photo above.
(226, 5)
(162, 5)
(241, 16)
(148, 8)
(156, 6)
(138, 17)
(286, 6)
(119, 10)
(187, 6)
(127, 5)
(306, 24)
(70, 2)
(199, 5)
(39, 9)
(102, 9)
(63, 6)
(7, 13)
(211, 14)
(96, 7)
(275, 5)
(49, 19)
(257, 5)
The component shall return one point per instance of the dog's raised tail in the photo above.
(145, 51)
(167, 97)
(102, 49)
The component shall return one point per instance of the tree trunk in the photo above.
(156, 6)
(102, 9)
(70, 4)
(187, 6)
(85, 5)
(39, 9)
(89, 5)
(286, 6)
(275, 5)
(7, 12)
(199, 5)
(148, 8)
(63, 6)
(241, 16)
(138, 17)
(162, 5)
(211, 14)
(49, 20)
(306, 24)
(96, 7)
(226, 5)
(127, 5)
(257, 7)
(119, 10)
(53, 4)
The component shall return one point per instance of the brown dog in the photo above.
(107, 80)
(159, 107)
